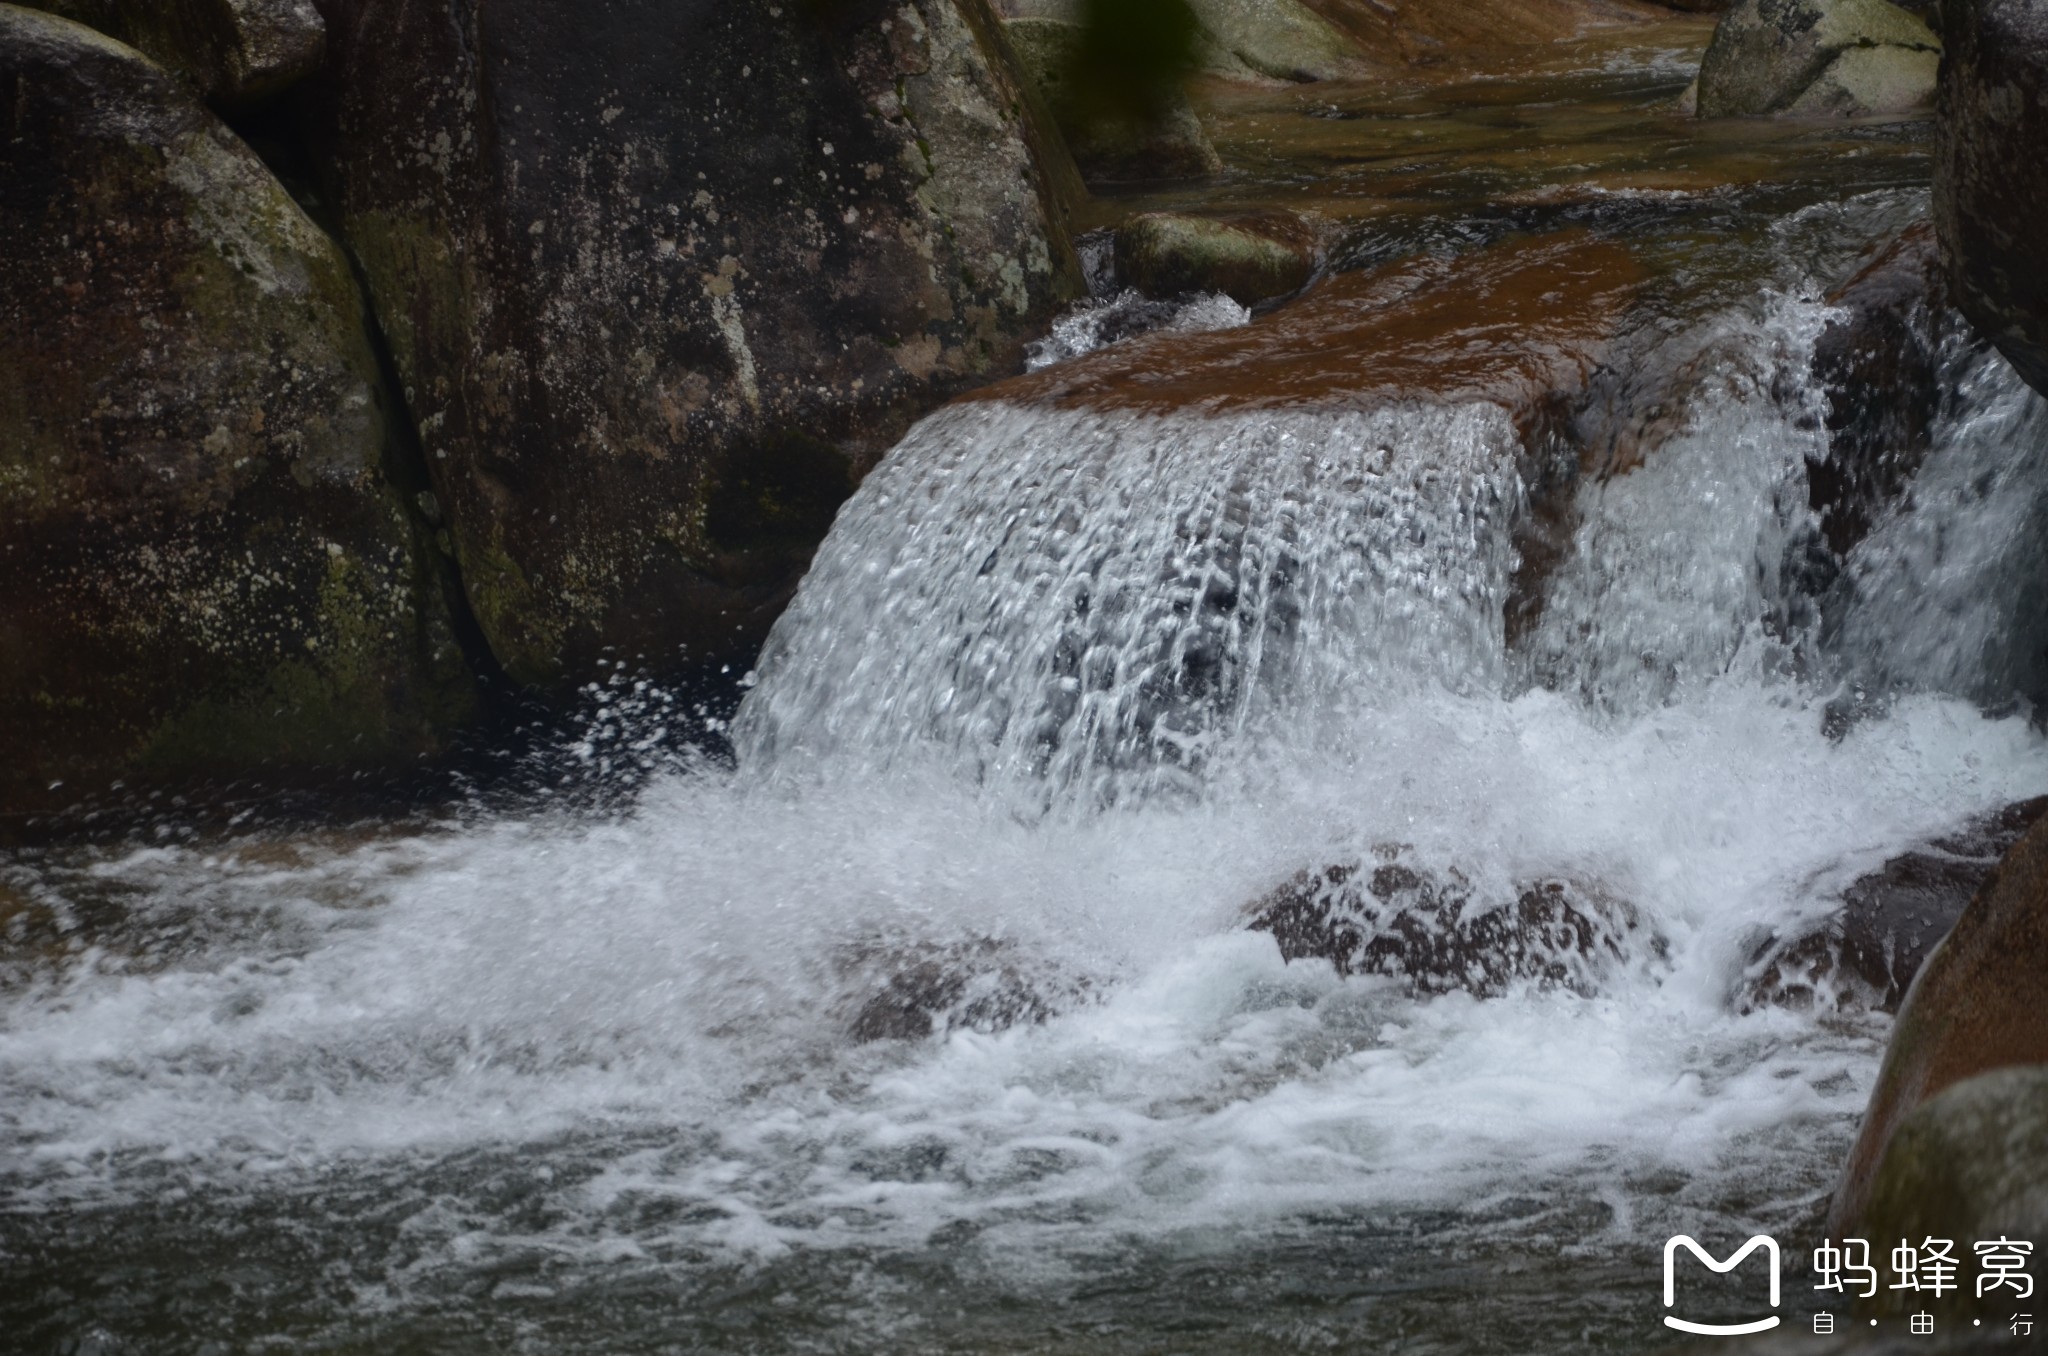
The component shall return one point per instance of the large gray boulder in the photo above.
(1990, 179)
(1818, 58)
(233, 52)
(209, 562)
(664, 277)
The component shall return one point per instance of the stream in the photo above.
(930, 1020)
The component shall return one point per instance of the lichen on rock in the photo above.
(629, 261)
(209, 567)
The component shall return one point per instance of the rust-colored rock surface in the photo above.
(1509, 324)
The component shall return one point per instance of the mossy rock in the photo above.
(1811, 58)
(629, 260)
(208, 567)
(1158, 140)
(232, 52)
(1251, 257)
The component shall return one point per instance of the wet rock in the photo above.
(1446, 32)
(1990, 189)
(930, 990)
(1969, 1164)
(233, 52)
(207, 562)
(1867, 954)
(1881, 368)
(1249, 257)
(1385, 917)
(1980, 1003)
(663, 278)
(1512, 324)
(1275, 40)
(1818, 58)
(1112, 142)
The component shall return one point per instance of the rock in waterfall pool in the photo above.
(934, 1021)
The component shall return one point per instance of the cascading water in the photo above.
(937, 1024)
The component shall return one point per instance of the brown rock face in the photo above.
(1980, 1003)
(208, 565)
(1511, 324)
(233, 52)
(662, 277)
(1385, 917)
(1990, 184)
(1433, 32)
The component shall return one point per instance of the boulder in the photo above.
(233, 52)
(1249, 257)
(1386, 917)
(1980, 1003)
(1158, 138)
(1818, 58)
(1867, 953)
(1990, 190)
(1969, 1164)
(664, 277)
(209, 559)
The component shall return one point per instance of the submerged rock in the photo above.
(1384, 917)
(1249, 257)
(233, 52)
(1157, 139)
(1818, 58)
(208, 565)
(1868, 952)
(1980, 1003)
(664, 278)
(1968, 1164)
(1990, 184)
(919, 991)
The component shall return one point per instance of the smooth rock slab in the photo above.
(208, 565)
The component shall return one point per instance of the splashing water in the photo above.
(937, 1024)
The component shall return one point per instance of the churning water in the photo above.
(936, 1024)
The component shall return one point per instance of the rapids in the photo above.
(1068, 687)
